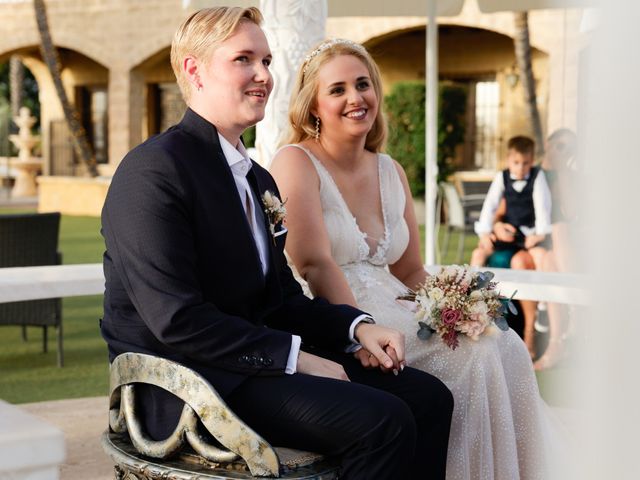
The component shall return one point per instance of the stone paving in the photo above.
(7, 201)
(84, 419)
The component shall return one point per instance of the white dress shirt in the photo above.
(541, 205)
(240, 164)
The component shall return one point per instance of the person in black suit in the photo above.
(195, 272)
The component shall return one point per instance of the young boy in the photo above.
(518, 231)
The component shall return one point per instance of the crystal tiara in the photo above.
(328, 44)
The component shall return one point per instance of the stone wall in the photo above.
(125, 44)
(72, 195)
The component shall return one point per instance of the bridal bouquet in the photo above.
(458, 301)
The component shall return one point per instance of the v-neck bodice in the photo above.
(348, 242)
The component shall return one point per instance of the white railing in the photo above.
(31, 283)
(554, 287)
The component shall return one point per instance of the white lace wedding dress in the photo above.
(498, 427)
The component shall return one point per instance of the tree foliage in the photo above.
(49, 54)
(522, 46)
(29, 91)
(405, 109)
(29, 99)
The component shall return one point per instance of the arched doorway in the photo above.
(164, 105)
(28, 95)
(483, 63)
(86, 84)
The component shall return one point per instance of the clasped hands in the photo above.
(381, 348)
(505, 232)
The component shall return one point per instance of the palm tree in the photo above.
(523, 58)
(16, 78)
(51, 58)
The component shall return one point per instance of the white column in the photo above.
(431, 134)
(292, 28)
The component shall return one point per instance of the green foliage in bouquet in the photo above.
(405, 109)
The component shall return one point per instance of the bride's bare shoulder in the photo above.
(293, 162)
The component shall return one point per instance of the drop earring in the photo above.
(317, 135)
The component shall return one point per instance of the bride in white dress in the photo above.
(354, 238)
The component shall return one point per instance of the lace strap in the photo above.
(391, 183)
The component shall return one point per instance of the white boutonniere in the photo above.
(275, 211)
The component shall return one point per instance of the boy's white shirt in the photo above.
(541, 205)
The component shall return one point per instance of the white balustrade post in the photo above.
(30, 448)
(292, 27)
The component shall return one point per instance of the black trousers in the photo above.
(382, 426)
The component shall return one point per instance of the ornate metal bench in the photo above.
(186, 454)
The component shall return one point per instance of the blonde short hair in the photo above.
(201, 33)
(305, 92)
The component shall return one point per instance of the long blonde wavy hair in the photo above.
(305, 93)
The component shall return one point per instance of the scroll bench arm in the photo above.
(201, 401)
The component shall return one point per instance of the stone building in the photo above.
(115, 66)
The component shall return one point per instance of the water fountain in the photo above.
(25, 165)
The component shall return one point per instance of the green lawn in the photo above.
(28, 375)
(470, 241)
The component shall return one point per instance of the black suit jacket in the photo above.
(183, 276)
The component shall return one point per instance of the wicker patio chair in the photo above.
(26, 240)
(460, 218)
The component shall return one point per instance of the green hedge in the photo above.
(405, 109)
(249, 137)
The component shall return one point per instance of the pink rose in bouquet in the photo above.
(451, 316)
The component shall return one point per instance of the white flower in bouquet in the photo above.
(436, 294)
(476, 295)
(473, 328)
(425, 306)
(478, 309)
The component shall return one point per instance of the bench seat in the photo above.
(235, 451)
